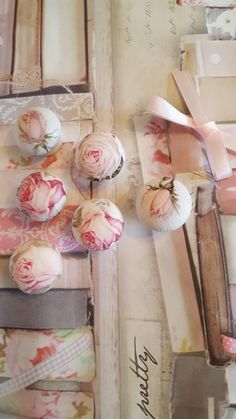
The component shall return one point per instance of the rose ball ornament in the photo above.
(163, 204)
(100, 156)
(97, 223)
(35, 266)
(41, 196)
(38, 132)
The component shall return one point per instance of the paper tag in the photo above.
(143, 370)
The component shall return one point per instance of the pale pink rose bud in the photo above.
(99, 156)
(38, 132)
(35, 266)
(41, 196)
(164, 204)
(97, 224)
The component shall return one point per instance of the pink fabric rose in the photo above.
(100, 156)
(32, 126)
(35, 265)
(99, 230)
(23, 270)
(41, 196)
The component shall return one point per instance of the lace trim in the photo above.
(25, 81)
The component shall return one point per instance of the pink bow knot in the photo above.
(216, 141)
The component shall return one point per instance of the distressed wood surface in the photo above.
(214, 279)
(104, 264)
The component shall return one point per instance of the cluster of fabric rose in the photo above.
(97, 223)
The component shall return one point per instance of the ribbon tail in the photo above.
(163, 109)
(217, 156)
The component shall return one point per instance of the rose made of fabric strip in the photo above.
(97, 223)
(41, 196)
(35, 266)
(99, 156)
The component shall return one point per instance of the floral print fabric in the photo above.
(48, 404)
(21, 350)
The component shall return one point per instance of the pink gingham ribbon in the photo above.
(216, 141)
(229, 344)
(49, 366)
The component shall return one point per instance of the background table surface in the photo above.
(145, 50)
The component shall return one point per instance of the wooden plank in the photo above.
(107, 383)
(214, 278)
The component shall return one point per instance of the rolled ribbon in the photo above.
(216, 141)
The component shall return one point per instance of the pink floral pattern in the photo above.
(41, 196)
(23, 269)
(35, 266)
(161, 205)
(100, 155)
(32, 126)
(38, 131)
(97, 224)
(37, 404)
(158, 152)
(21, 349)
(15, 229)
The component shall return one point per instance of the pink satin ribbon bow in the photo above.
(216, 141)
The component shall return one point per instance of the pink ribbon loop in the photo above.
(216, 141)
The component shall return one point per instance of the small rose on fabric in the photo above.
(100, 156)
(101, 240)
(97, 224)
(38, 132)
(23, 269)
(32, 125)
(161, 205)
(164, 204)
(41, 196)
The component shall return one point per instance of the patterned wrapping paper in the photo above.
(48, 404)
(68, 107)
(221, 22)
(27, 69)
(20, 350)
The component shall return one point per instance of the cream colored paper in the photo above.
(7, 12)
(27, 69)
(63, 42)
